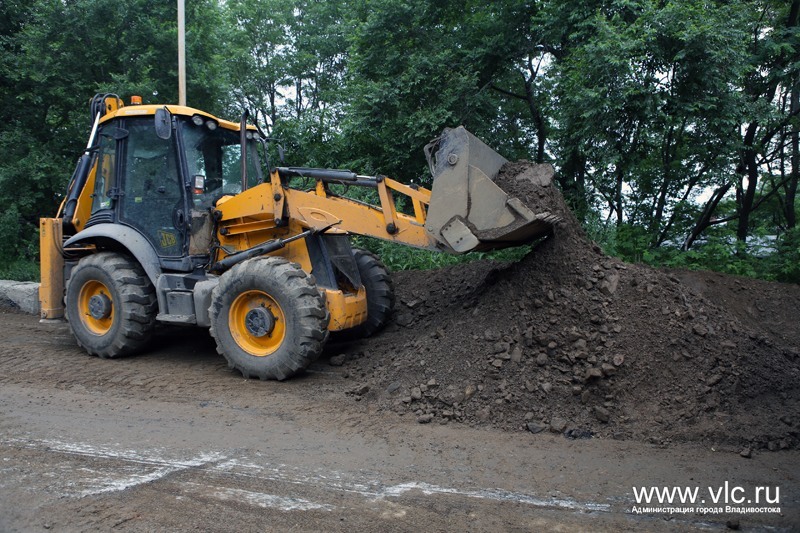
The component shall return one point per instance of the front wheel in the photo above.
(268, 318)
(111, 305)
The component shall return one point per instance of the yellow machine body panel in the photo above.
(84, 209)
(347, 309)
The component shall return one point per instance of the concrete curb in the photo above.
(21, 294)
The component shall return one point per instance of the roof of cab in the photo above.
(150, 110)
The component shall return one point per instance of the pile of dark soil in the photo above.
(570, 340)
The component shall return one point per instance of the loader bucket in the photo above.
(468, 211)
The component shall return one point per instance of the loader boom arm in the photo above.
(269, 206)
(464, 211)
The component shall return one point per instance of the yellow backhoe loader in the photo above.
(169, 217)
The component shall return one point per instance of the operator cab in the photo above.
(163, 179)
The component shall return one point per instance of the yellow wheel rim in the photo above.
(96, 307)
(257, 323)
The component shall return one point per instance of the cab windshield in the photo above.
(214, 161)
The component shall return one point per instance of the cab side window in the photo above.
(105, 173)
(214, 158)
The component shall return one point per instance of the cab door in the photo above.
(152, 199)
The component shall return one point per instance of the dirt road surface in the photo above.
(172, 440)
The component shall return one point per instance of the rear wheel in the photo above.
(268, 318)
(380, 294)
(111, 305)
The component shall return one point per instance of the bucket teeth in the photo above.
(468, 211)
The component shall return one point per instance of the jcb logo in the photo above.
(167, 239)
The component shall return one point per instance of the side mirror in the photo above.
(163, 123)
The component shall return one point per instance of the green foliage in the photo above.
(416, 67)
(775, 259)
(20, 270)
(787, 258)
(727, 257)
(763, 256)
(399, 257)
(628, 242)
(13, 234)
(287, 66)
(649, 89)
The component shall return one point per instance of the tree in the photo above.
(418, 66)
(767, 121)
(54, 55)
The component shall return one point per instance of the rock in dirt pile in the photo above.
(572, 341)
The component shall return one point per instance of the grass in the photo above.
(399, 257)
(20, 270)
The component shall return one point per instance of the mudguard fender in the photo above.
(127, 238)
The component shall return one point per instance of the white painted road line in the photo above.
(147, 466)
(259, 499)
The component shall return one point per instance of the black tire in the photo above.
(248, 297)
(116, 289)
(380, 294)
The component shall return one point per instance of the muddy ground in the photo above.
(172, 440)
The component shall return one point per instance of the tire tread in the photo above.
(308, 336)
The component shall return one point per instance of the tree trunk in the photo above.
(538, 120)
(662, 236)
(791, 187)
(572, 180)
(298, 87)
(618, 195)
(273, 110)
(749, 168)
(661, 201)
(705, 218)
(658, 216)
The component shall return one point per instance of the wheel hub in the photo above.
(99, 306)
(259, 322)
